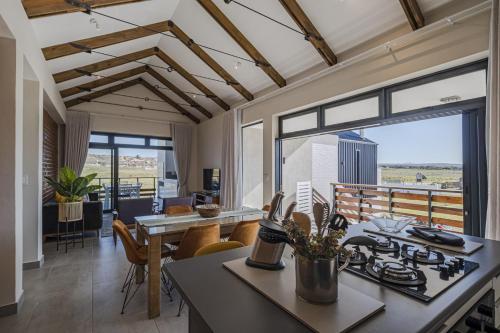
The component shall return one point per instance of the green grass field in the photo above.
(434, 176)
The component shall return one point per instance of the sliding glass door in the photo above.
(101, 161)
(131, 166)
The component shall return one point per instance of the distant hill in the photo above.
(447, 166)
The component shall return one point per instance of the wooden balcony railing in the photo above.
(432, 206)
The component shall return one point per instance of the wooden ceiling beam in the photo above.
(196, 49)
(177, 91)
(65, 49)
(39, 8)
(103, 81)
(413, 13)
(185, 74)
(103, 65)
(101, 93)
(242, 41)
(169, 101)
(308, 28)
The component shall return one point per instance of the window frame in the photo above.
(111, 141)
(385, 115)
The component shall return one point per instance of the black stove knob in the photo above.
(461, 262)
(456, 264)
(443, 272)
(451, 268)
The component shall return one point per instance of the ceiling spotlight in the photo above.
(450, 21)
(194, 95)
(388, 48)
(93, 21)
(146, 99)
(157, 86)
(237, 65)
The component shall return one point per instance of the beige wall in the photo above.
(447, 47)
(32, 171)
(11, 168)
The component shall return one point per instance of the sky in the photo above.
(437, 140)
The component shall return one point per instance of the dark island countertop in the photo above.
(226, 304)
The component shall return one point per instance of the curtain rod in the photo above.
(386, 47)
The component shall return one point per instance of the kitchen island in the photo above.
(220, 302)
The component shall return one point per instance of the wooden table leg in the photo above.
(139, 273)
(154, 267)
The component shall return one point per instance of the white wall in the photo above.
(209, 145)
(11, 196)
(453, 45)
(32, 171)
(12, 12)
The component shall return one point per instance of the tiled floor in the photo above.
(80, 292)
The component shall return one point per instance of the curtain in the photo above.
(231, 161)
(493, 127)
(76, 142)
(182, 137)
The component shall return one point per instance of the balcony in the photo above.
(437, 207)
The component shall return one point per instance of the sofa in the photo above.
(92, 213)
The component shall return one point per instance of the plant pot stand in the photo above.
(68, 233)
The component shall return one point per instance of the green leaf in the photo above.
(67, 175)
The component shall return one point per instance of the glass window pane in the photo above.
(364, 109)
(97, 138)
(454, 89)
(300, 123)
(129, 140)
(160, 142)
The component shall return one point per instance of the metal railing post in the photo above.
(359, 204)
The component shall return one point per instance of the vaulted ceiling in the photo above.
(201, 56)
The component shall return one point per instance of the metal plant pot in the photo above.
(317, 280)
(70, 211)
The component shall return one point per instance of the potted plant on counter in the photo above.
(70, 191)
(316, 264)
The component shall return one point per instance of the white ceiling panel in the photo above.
(343, 23)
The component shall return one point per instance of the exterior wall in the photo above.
(353, 171)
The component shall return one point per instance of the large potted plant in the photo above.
(316, 264)
(70, 191)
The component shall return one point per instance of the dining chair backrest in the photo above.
(218, 247)
(128, 209)
(177, 201)
(303, 220)
(179, 209)
(266, 207)
(129, 243)
(245, 232)
(195, 238)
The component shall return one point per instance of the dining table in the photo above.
(155, 230)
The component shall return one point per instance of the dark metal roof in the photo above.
(352, 136)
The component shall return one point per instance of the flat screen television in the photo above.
(211, 179)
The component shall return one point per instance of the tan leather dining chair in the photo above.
(194, 239)
(137, 255)
(266, 208)
(245, 232)
(303, 220)
(178, 210)
(218, 247)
